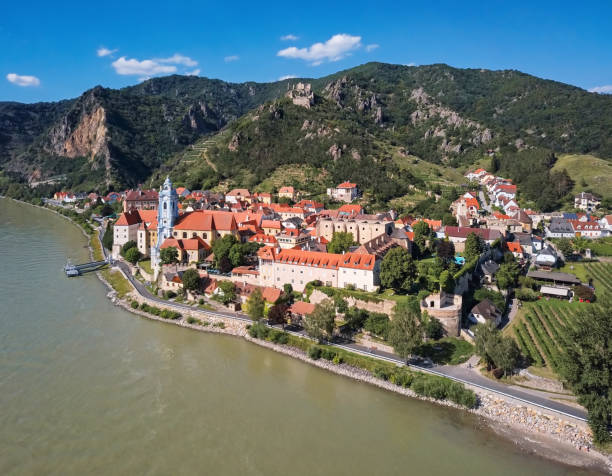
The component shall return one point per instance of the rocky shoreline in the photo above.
(540, 432)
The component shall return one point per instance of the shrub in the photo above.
(220, 324)
(328, 354)
(402, 378)
(382, 372)
(259, 330)
(169, 294)
(134, 305)
(337, 359)
(314, 352)
(201, 301)
(193, 320)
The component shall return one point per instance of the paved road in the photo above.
(484, 202)
(457, 373)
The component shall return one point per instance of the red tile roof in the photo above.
(135, 195)
(302, 308)
(351, 209)
(463, 231)
(514, 247)
(326, 260)
(347, 185)
(206, 220)
(275, 224)
(286, 190)
(265, 239)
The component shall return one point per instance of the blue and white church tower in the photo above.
(167, 212)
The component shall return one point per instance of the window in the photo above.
(184, 234)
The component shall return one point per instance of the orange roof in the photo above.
(191, 244)
(271, 294)
(286, 190)
(245, 270)
(265, 239)
(128, 218)
(276, 224)
(239, 192)
(266, 253)
(514, 247)
(351, 209)
(180, 190)
(326, 260)
(206, 220)
(472, 202)
(302, 308)
(347, 185)
(501, 216)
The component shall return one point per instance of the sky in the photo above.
(58, 50)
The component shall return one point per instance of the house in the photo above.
(458, 235)
(266, 240)
(605, 225)
(238, 195)
(344, 192)
(287, 192)
(515, 248)
(127, 226)
(140, 200)
(299, 310)
(525, 221)
(311, 206)
(546, 258)
(559, 292)
(586, 229)
(559, 228)
(586, 201)
(292, 238)
(245, 274)
(182, 192)
(172, 281)
(298, 267)
(263, 197)
(475, 175)
(190, 250)
(485, 311)
(350, 210)
(271, 227)
(488, 269)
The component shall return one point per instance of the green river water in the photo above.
(87, 388)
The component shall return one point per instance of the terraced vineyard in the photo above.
(541, 327)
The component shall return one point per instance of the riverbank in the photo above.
(524, 432)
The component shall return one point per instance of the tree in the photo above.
(340, 303)
(127, 246)
(507, 275)
(107, 239)
(341, 242)
(107, 210)
(278, 314)
(496, 298)
(587, 364)
(446, 251)
(433, 327)
(256, 305)
(447, 282)
(132, 255)
(398, 270)
(168, 255)
(227, 247)
(495, 166)
(495, 349)
(224, 264)
(236, 254)
(228, 292)
(288, 293)
(422, 233)
(474, 247)
(191, 279)
(405, 333)
(319, 324)
(580, 243)
(564, 245)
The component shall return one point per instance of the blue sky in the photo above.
(53, 50)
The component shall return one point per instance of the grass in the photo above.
(602, 246)
(448, 350)
(117, 281)
(577, 269)
(146, 265)
(594, 172)
(96, 247)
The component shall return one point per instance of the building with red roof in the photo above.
(344, 192)
(140, 200)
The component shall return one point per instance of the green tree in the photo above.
(446, 251)
(474, 247)
(127, 246)
(587, 364)
(447, 282)
(319, 324)
(485, 339)
(422, 234)
(495, 349)
(132, 255)
(256, 305)
(228, 292)
(507, 275)
(405, 332)
(341, 242)
(222, 247)
(433, 328)
(168, 255)
(398, 270)
(107, 239)
(191, 279)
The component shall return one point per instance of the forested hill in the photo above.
(370, 121)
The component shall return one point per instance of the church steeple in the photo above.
(167, 212)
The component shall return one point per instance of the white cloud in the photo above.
(178, 59)
(334, 49)
(289, 37)
(410, 64)
(126, 66)
(607, 89)
(21, 80)
(229, 59)
(151, 67)
(371, 47)
(195, 72)
(102, 51)
(288, 76)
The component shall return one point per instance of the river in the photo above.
(87, 388)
